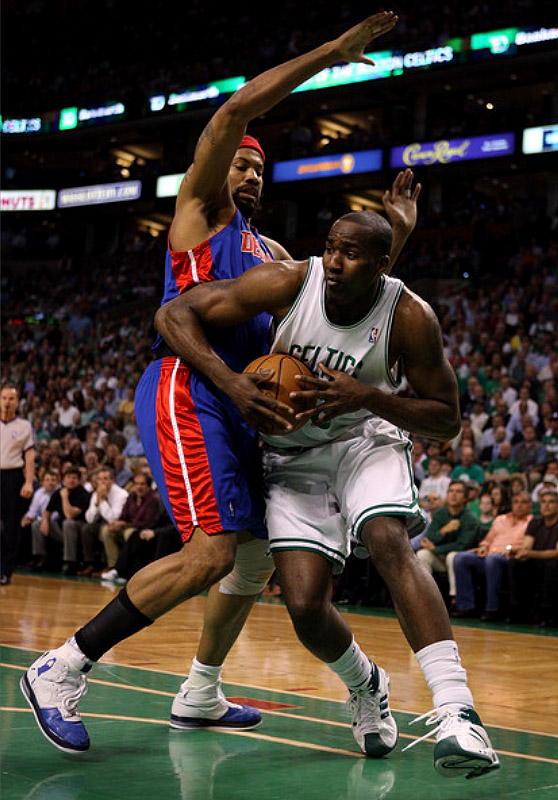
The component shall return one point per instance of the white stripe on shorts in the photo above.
(179, 448)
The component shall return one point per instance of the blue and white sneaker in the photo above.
(373, 725)
(462, 745)
(207, 707)
(53, 686)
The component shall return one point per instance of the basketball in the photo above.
(281, 384)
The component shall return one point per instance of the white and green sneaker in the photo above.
(462, 744)
(373, 725)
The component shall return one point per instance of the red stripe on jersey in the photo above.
(183, 454)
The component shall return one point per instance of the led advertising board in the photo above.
(101, 193)
(327, 166)
(446, 151)
(541, 139)
(28, 199)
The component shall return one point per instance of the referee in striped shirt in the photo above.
(17, 473)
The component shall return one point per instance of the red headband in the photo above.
(253, 144)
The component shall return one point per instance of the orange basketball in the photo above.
(281, 384)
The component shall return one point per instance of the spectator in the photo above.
(503, 467)
(550, 438)
(134, 447)
(492, 451)
(62, 520)
(39, 502)
(126, 406)
(533, 567)
(484, 511)
(525, 405)
(143, 546)
(487, 436)
(453, 528)
(141, 510)
(69, 416)
(516, 427)
(105, 507)
(500, 495)
(122, 472)
(488, 560)
(530, 455)
(435, 481)
(467, 469)
(549, 481)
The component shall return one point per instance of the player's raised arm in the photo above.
(400, 204)
(205, 186)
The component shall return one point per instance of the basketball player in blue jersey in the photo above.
(204, 456)
(347, 469)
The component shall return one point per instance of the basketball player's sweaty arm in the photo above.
(270, 287)
(205, 204)
(416, 340)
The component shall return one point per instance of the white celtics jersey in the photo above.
(360, 350)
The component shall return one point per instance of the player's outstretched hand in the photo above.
(400, 202)
(341, 394)
(258, 409)
(350, 45)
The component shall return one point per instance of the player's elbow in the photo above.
(167, 319)
(451, 422)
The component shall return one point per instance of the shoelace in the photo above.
(70, 697)
(441, 717)
(372, 715)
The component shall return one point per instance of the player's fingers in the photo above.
(261, 376)
(307, 382)
(269, 405)
(416, 193)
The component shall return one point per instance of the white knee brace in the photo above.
(253, 566)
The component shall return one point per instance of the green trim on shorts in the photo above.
(394, 382)
(412, 510)
(408, 452)
(336, 558)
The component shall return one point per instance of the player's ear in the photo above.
(383, 264)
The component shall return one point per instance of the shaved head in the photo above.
(376, 228)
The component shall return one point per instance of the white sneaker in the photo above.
(207, 707)
(53, 686)
(112, 576)
(462, 744)
(373, 725)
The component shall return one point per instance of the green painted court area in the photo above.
(304, 750)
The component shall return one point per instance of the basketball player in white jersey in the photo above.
(347, 470)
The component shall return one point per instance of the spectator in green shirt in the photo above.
(550, 437)
(503, 467)
(468, 469)
(453, 528)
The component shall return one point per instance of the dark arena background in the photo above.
(102, 106)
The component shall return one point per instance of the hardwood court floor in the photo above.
(304, 749)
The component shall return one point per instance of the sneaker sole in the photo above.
(193, 724)
(458, 765)
(29, 695)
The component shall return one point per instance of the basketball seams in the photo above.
(280, 386)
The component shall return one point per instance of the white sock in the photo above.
(353, 667)
(76, 658)
(446, 678)
(202, 675)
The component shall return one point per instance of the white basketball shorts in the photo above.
(319, 498)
